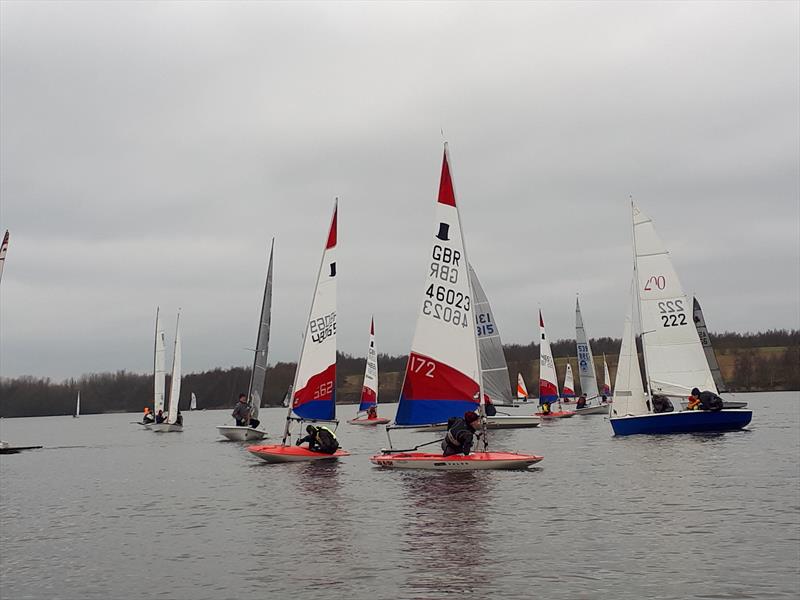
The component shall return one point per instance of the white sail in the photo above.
(159, 366)
(259, 370)
(629, 397)
(548, 380)
(443, 375)
(585, 358)
(606, 378)
(522, 390)
(314, 395)
(674, 358)
(78, 405)
(705, 340)
(569, 383)
(193, 403)
(3, 250)
(175, 388)
(496, 384)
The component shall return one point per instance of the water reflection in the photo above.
(446, 533)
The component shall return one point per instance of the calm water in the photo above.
(109, 510)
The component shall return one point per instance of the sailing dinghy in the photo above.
(159, 369)
(711, 357)
(548, 387)
(314, 396)
(494, 369)
(673, 355)
(606, 379)
(443, 376)
(242, 433)
(586, 369)
(193, 402)
(172, 422)
(367, 413)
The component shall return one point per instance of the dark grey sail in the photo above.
(262, 344)
(496, 383)
(705, 340)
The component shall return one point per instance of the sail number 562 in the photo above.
(421, 365)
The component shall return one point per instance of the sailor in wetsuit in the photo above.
(460, 433)
(320, 439)
(704, 400)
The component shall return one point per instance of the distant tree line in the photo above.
(749, 362)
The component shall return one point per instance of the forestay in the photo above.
(674, 358)
(585, 358)
(159, 366)
(496, 384)
(705, 340)
(442, 377)
(369, 390)
(259, 371)
(315, 379)
(629, 398)
(548, 382)
(175, 388)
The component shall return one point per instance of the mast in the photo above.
(639, 309)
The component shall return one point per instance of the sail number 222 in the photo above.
(672, 313)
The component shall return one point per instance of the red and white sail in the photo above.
(606, 378)
(369, 391)
(548, 381)
(522, 391)
(568, 391)
(315, 379)
(443, 372)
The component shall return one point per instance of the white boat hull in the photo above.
(164, 427)
(512, 421)
(241, 434)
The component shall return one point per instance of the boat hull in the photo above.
(688, 421)
(512, 421)
(282, 454)
(165, 427)
(733, 404)
(601, 409)
(477, 461)
(241, 434)
(368, 422)
(561, 414)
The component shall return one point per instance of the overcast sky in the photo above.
(150, 151)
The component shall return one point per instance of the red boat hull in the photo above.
(276, 453)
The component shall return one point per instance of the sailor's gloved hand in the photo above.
(297, 442)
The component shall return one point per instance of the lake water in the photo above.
(108, 510)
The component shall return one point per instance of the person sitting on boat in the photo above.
(460, 433)
(320, 439)
(604, 399)
(241, 412)
(179, 419)
(546, 408)
(661, 404)
(148, 416)
(581, 403)
(372, 413)
(160, 418)
(706, 400)
(488, 408)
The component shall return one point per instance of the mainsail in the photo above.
(315, 378)
(522, 391)
(585, 358)
(442, 377)
(496, 384)
(674, 358)
(78, 405)
(548, 381)
(369, 390)
(193, 403)
(568, 391)
(175, 388)
(262, 344)
(705, 340)
(3, 250)
(159, 366)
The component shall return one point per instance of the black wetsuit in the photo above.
(710, 401)
(321, 440)
(459, 437)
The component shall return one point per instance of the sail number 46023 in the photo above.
(672, 313)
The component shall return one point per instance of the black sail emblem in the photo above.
(444, 231)
(333, 269)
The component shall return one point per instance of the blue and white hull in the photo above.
(687, 421)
